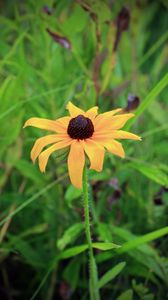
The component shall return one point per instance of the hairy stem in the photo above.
(93, 276)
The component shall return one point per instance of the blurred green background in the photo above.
(52, 52)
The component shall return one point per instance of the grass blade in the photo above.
(111, 274)
(31, 199)
(73, 251)
(148, 100)
(143, 239)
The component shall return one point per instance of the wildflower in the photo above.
(83, 132)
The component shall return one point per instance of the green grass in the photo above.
(43, 251)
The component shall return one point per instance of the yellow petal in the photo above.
(92, 112)
(76, 160)
(117, 134)
(64, 121)
(111, 145)
(114, 122)
(45, 124)
(101, 119)
(115, 148)
(44, 141)
(95, 152)
(120, 134)
(44, 156)
(111, 112)
(74, 110)
(104, 116)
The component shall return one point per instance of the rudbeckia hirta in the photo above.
(83, 133)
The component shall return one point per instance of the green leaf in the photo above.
(154, 47)
(30, 255)
(148, 100)
(72, 193)
(133, 242)
(105, 246)
(71, 272)
(76, 22)
(101, 10)
(152, 172)
(13, 48)
(142, 291)
(28, 170)
(158, 113)
(40, 228)
(143, 239)
(73, 251)
(4, 86)
(69, 235)
(111, 274)
(11, 92)
(104, 175)
(30, 200)
(104, 232)
(127, 295)
(12, 128)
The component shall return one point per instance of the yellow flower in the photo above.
(83, 132)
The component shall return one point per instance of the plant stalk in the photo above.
(93, 276)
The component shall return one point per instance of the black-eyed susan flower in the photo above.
(83, 133)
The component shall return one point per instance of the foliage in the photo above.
(65, 51)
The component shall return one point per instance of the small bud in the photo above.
(63, 41)
(123, 19)
(47, 10)
(133, 102)
(122, 24)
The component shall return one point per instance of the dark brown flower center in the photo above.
(80, 128)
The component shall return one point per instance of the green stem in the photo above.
(93, 276)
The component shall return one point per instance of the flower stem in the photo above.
(93, 276)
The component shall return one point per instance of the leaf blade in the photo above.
(111, 274)
(148, 100)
